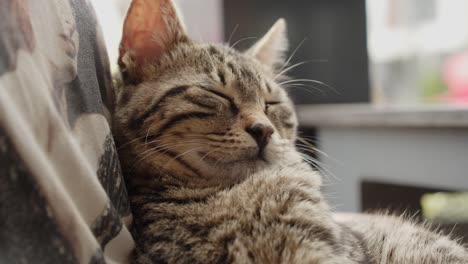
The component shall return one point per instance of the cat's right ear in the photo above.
(151, 28)
(272, 47)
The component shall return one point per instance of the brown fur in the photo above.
(202, 189)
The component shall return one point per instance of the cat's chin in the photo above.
(233, 171)
(235, 167)
(250, 158)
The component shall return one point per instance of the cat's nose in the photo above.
(261, 133)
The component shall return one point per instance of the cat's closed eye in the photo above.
(204, 101)
(232, 105)
(209, 98)
(268, 104)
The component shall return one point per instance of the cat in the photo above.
(206, 140)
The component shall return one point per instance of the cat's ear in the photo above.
(151, 28)
(271, 48)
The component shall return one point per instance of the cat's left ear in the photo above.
(271, 48)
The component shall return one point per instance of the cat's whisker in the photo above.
(157, 149)
(164, 152)
(313, 150)
(292, 55)
(138, 138)
(186, 134)
(129, 142)
(304, 87)
(147, 133)
(310, 141)
(180, 155)
(306, 144)
(281, 73)
(319, 166)
(208, 153)
(173, 144)
(314, 138)
(158, 140)
(239, 41)
(290, 68)
(217, 161)
(152, 144)
(192, 135)
(318, 150)
(146, 151)
(232, 34)
(315, 160)
(151, 152)
(310, 81)
(143, 158)
(310, 147)
(164, 138)
(299, 84)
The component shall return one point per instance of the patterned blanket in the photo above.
(62, 194)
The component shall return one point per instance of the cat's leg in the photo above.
(391, 239)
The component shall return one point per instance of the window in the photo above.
(418, 51)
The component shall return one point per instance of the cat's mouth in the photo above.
(261, 154)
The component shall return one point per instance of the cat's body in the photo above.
(206, 139)
(275, 216)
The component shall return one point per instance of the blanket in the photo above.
(62, 194)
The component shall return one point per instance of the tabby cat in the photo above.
(206, 139)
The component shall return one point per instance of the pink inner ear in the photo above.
(143, 25)
(143, 47)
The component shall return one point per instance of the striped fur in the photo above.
(175, 112)
(199, 191)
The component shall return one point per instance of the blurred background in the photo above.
(390, 120)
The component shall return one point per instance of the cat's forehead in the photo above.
(227, 66)
(212, 56)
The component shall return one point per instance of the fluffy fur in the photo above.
(202, 187)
